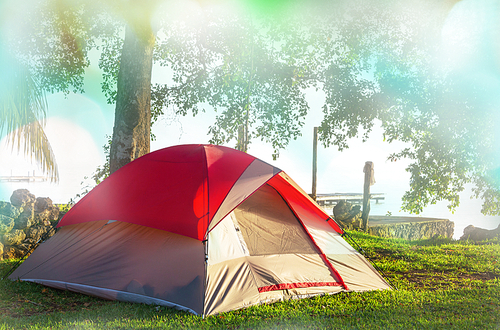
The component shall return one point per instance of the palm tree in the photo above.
(22, 114)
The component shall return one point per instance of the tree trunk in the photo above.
(131, 132)
(369, 181)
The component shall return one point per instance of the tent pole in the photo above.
(205, 249)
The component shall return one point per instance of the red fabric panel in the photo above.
(167, 189)
(287, 286)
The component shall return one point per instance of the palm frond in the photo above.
(22, 114)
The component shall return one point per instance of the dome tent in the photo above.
(201, 228)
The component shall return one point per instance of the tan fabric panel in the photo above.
(271, 270)
(358, 274)
(328, 240)
(268, 226)
(224, 243)
(256, 174)
(230, 286)
(121, 257)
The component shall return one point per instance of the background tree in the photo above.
(383, 65)
(373, 64)
(236, 66)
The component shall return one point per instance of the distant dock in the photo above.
(327, 200)
(20, 178)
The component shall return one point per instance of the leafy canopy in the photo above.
(375, 61)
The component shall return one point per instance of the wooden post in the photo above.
(315, 162)
(369, 181)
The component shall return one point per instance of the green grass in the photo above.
(442, 284)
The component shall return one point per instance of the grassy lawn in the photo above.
(442, 284)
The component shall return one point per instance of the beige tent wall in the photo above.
(121, 261)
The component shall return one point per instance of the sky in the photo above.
(77, 125)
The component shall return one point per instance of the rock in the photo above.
(23, 223)
(29, 241)
(12, 252)
(9, 210)
(14, 237)
(6, 224)
(25, 246)
(22, 198)
(26, 219)
(479, 234)
(42, 203)
(36, 232)
(347, 215)
(51, 213)
(54, 213)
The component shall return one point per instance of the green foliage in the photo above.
(233, 64)
(435, 278)
(381, 65)
(54, 39)
(374, 65)
(375, 61)
(102, 172)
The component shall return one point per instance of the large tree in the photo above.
(54, 42)
(372, 62)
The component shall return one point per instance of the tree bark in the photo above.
(131, 131)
